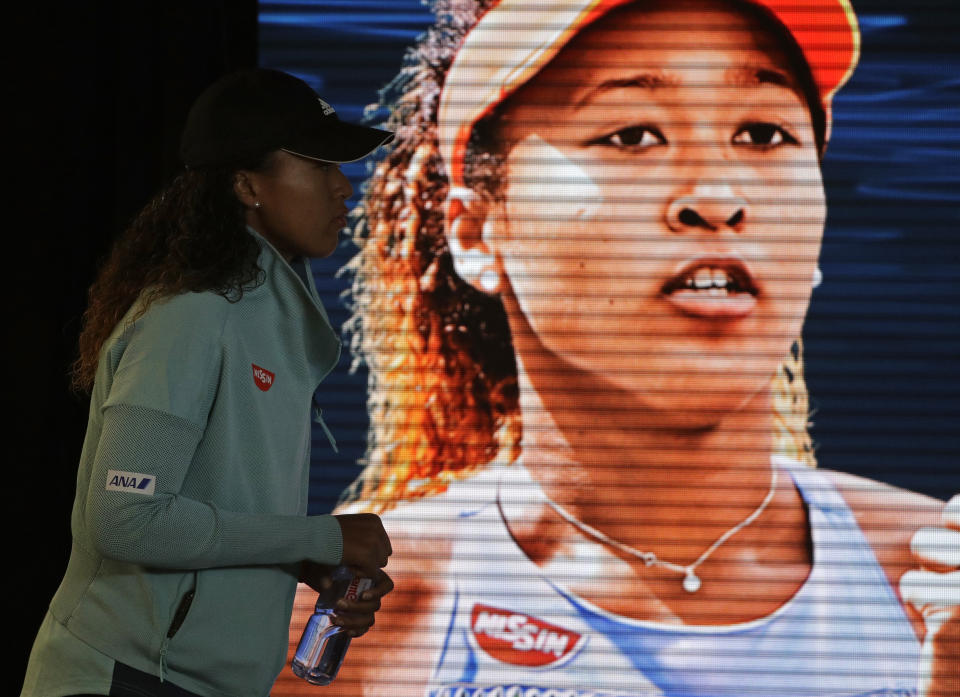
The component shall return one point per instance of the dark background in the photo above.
(96, 99)
(98, 93)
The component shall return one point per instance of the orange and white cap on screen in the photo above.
(515, 39)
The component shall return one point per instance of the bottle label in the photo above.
(357, 586)
(324, 644)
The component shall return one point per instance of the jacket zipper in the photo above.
(178, 617)
(318, 418)
(181, 614)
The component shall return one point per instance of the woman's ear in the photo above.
(467, 218)
(245, 189)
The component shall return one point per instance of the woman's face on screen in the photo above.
(663, 205)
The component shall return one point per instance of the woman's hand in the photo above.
(934, 589)
(355, 616)
(366, 546)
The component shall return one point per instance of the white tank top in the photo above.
(512, 632)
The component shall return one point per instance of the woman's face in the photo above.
(663, 206)
(302, 205)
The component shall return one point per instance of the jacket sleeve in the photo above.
(165, 529)
(160, 381)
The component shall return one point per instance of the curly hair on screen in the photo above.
(443, 397)
(190, 237)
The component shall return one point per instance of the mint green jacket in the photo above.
(189, 522)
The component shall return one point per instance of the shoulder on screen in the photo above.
(874, 499)
(889, 516)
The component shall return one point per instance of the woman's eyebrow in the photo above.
(647, 81)
(738, 76)
(750, 75)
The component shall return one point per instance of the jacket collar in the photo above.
(299, 268)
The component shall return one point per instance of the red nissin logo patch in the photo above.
(519, 639)
(262, 377)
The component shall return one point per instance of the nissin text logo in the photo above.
(131, 482)
(262, 377)
(519, 639)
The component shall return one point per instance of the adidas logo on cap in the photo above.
(327, 109)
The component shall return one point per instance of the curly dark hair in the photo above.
(190, 237)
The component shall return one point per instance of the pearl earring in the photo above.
(817, 277)
(490, 280)
(257, 205)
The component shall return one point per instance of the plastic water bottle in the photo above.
(323, 645)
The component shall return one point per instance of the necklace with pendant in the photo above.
(691, 582)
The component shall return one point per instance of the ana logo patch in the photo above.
(262, 377)
(131, 482)
(519, 639)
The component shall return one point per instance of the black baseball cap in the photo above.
(246, 114)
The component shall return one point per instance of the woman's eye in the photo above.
(633, 137)
(767, 135)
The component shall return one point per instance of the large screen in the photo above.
(653, 327)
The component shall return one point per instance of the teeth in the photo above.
(703, 279)
(715, 281)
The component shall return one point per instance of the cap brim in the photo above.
(339, 142)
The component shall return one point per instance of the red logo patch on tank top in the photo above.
(262, 377)
(519, 639)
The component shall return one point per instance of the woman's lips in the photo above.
(713, 288)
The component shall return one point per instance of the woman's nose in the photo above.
(343, 186)
(708, 207)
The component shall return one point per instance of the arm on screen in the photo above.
(934, 590)
(889, 517)
(917, 541)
